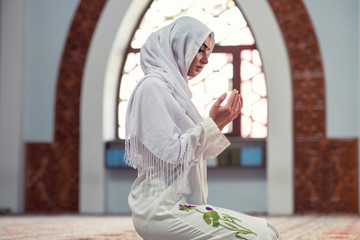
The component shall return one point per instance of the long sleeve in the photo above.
(205, 139)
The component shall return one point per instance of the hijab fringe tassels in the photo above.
(139, 157)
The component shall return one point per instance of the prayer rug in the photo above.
(85, 227)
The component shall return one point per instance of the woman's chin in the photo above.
(192, 75)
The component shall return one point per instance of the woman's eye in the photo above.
(200, 50)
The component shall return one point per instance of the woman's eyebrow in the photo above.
(205, 46)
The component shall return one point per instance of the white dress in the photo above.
(161, 214)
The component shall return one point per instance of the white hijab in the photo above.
(160, 111)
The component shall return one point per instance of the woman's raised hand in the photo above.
(223, 115)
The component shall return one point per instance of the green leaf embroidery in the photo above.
(215, 217)
(226, 221)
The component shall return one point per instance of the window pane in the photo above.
(258, 130)
(256, 58)
(130, 62)
(136, 73)
(122, 112)
(220, 28)
(245, 126)
(219, 60)
(215, 7)
(245, 37)
(259, 85)
(228, 71)
(152, 18)
(121, 120)
(248, 70)
(246, 55)
(216, 84)
(121, 132)
(169, 8)
(127, 85)
(140, 36)
(200, 14)
(234, 17)
(253, 88)
(259, 111)
(249, 97)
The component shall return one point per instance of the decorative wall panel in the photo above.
(52, 169)
(326, 172)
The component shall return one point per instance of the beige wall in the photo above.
(12, 32)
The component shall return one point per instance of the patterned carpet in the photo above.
(66, 227)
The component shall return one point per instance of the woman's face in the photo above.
(200, 59)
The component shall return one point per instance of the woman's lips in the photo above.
(199, 68)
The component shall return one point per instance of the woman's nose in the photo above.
(205, 59)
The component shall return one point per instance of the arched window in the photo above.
(234, 63)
